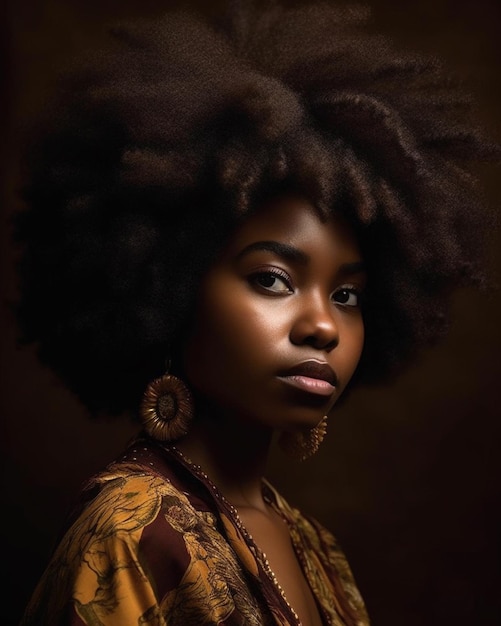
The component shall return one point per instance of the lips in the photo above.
(311, 376)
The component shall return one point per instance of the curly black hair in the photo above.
(164, 140)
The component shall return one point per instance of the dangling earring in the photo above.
(304, 443)
(167, 408)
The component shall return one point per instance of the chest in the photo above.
(271, 535)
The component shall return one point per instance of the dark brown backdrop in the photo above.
(409, 477)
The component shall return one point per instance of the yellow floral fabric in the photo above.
(153, 544)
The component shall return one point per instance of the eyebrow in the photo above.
(283, 250)
(291, 253)
(348, 269)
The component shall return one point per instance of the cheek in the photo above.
(359, 338)
(218, 346)
(230, 337)
(354, 337)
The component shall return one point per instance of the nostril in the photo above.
(322, 342)
(322, 335)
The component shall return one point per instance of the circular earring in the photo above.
(302, 444)
(167, 408)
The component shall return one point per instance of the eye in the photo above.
(347, 296)
(274, 281)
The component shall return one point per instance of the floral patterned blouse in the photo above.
(153, 543)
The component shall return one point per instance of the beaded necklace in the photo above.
(235, 518)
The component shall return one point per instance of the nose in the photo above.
(315, 324)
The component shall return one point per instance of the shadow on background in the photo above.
(409, 478)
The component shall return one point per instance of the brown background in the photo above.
(409, 477)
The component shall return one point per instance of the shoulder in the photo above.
(142, 490)
(117, 511)
(102, 565)
(130, 540)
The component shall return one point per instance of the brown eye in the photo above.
(273, 282)
(266, 280)
(347, 296)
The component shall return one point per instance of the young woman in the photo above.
(228, 222)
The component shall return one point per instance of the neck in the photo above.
(233, 453)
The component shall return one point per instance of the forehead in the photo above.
(295, 221)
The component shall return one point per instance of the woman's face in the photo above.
(278, 329)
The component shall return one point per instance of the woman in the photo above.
(242, 217)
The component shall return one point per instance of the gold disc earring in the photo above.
(302, 444)
(167, 408)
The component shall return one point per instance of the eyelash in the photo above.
(276, 273)
(281, 274)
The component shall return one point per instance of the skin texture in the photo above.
(286, 290)
(262, 311)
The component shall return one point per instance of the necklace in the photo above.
(235, 518)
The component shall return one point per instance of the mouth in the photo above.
(311, 376)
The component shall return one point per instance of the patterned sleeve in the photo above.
(96, 576)
(140, 554)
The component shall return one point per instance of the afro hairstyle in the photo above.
(156, 146)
